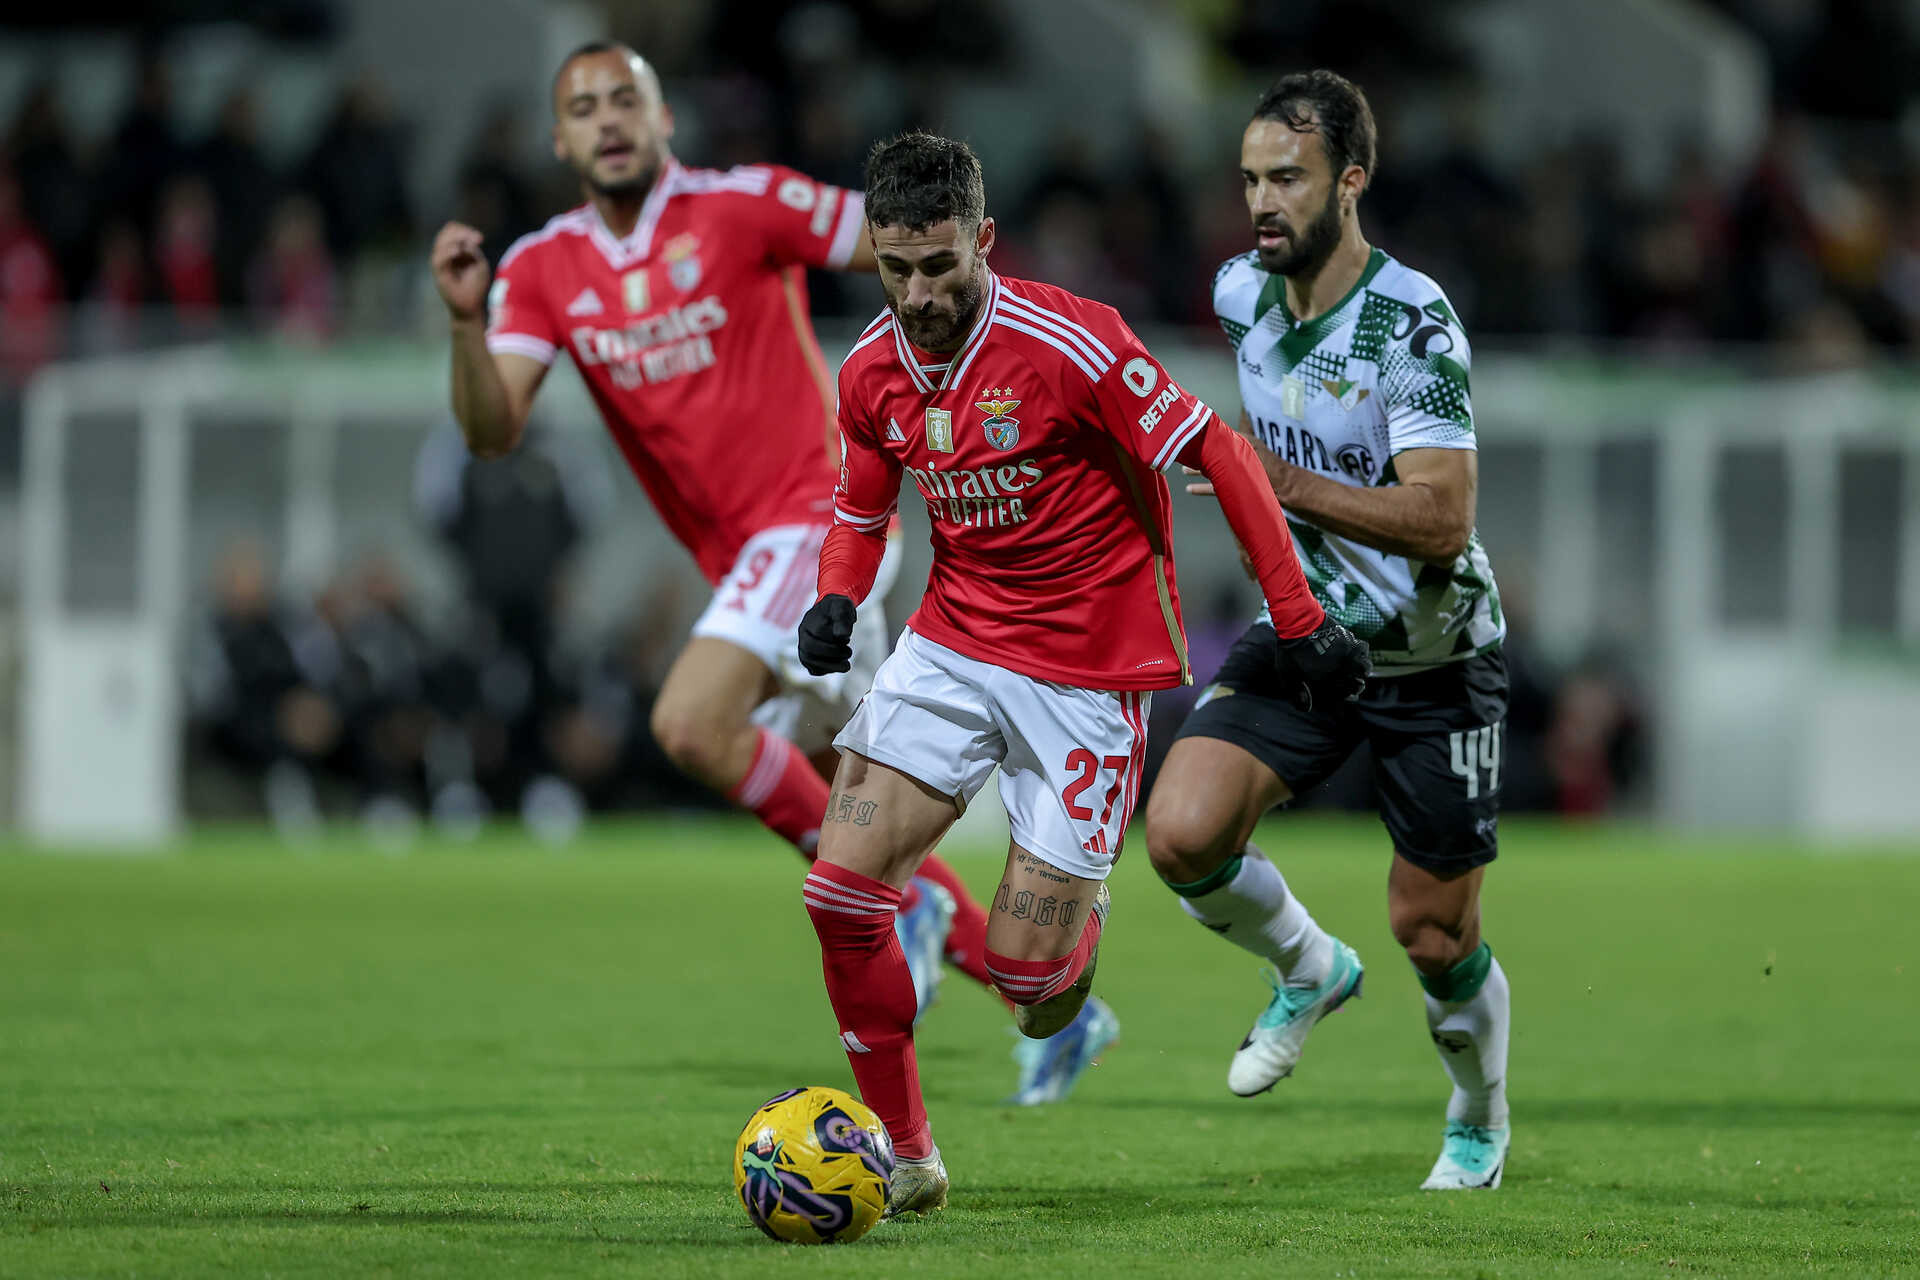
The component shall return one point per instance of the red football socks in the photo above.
(783, 790)
(1031, 981)
(872, 996)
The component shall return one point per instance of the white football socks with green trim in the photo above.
(1469, 1028)
(1251, 907)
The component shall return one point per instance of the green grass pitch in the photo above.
(499, 1060)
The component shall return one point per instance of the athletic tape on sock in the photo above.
(1222, 874)
(1462, 982)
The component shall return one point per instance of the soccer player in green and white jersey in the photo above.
(1353, 378)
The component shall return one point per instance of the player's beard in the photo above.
(631, 188)
(1306, 252)
(939, 331)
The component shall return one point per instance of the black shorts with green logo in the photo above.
(1437, 739)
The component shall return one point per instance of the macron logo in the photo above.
(587, 304)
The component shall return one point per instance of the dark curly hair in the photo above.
(919, 179)
(1327, 103)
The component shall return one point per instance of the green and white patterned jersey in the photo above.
(1385, 370)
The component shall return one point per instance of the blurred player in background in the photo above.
(1036, 427)
(680, 296)
(1353, 380)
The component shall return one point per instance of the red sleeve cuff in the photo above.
(849, 561)
(1254, 515)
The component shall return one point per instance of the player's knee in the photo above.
(1185, 840)
(1432, 945)
(694, 743)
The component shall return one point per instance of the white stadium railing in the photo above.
(1606, 500)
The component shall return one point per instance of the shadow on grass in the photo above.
(1728, 1113)
(615, 1211)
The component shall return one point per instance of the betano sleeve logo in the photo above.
(1140, 375)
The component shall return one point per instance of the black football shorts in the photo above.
(1437, 739)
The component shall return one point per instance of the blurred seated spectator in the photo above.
(29, 289)
(243, 187)
(1900, 275)
(1825, 337)
(263, 682)
(1063, 246)
(941, 34)
(385, 659)
(600, 739)
(294, 285)
(513, 524)
(118, 293)
(356, 171)
(57, 195)
(185, 247)
(494, 196)
(1150, 230)
(1595, 744)
(146, 150)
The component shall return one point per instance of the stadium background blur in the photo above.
(1659, 221)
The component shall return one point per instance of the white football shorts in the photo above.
(758, 606)
(1070, 759)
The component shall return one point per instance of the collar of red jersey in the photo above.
(638, 242)
(957, 367)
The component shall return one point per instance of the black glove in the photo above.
(1327, 667)
(826, 635)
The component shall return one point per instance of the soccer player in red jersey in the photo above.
(1036, 427)
(680, 295)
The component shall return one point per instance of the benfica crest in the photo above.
(683, 262)
(1003, 430)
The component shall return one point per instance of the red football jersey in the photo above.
(693, 336)
(1039, 448)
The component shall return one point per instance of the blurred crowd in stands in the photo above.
(351, 701)
(350, 706)
(1816, 241)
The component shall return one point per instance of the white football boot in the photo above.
(917, 1186)
(1268, 1054)
(1472, 1157)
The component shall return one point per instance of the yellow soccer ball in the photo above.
(812, 1166)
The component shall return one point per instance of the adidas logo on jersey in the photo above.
(587, 304)
(1098, 844)
(894, 432)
